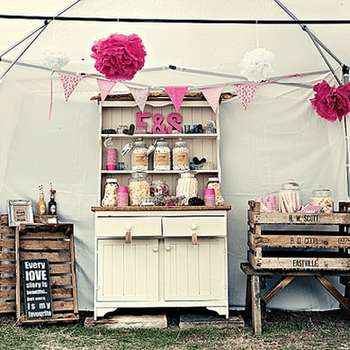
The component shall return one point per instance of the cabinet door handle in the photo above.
(155, 249)
(194, 239)
(194, 227)
(128, 227)
(167, 248)
(127, 237)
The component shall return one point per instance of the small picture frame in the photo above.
(20, 211)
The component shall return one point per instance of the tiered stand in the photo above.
(291, 245)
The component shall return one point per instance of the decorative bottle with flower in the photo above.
(52, 204)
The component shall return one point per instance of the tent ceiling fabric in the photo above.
(208, 47)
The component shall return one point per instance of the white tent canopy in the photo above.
(278, 137)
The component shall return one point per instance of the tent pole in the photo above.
(21, 41)
(40, 29)
(315, 40)
(346, 80)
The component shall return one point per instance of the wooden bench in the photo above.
(256, 278)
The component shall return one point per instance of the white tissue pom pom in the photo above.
(54, 58)
(257, 65)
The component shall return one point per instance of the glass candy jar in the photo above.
(289, 197)
(139, 188)
(213, 182)
(181, 158)
(161, 159)
(323, 198)
(110, 198)
(139, 158)
(187, 186)
(159, 188)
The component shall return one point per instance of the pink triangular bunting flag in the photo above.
(69, 83)
(212, 95)
(246, 92)
(176, 94)
(140, 96)
(105, 87)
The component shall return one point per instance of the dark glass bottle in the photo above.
(52, 204)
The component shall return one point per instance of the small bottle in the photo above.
(52, 204)
(41, 204)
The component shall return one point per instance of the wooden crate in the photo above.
(54, 242)
(7, 267)
(286, 248)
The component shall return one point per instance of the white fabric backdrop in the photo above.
(277, 138)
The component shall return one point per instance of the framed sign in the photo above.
(37, 288)
(20, 211)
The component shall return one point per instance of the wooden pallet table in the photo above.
(256, 278)
(273, 244)
(54, 242)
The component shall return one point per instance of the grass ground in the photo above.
(282, 330)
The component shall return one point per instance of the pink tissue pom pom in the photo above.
(119, 57)
(331, 103)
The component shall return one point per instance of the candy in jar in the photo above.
(181, 159)
(187, 185)
(161, 160)
(213, 182)
(138, 188)
(159, 188)
(289, 197)
(110, 198)
(323, 198)
(139, 156)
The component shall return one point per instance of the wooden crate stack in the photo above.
(303, 249)
(54, 242)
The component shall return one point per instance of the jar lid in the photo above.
(111, 180)
(213, 179)
(138, 174)
(321, 193)
(290, 185)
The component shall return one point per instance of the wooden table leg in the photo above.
(256, 304)
(248, 297)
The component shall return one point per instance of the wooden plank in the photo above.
(276, 288)
(52, 257)
(8, 282)
(331, 289)
(60, 268)
(44, 245)
(7, 243)
(300, 218)
(44, 235)
(7, 256)
(60, 281)
(256, 304)
(299, 263)
(74, 277)
(63, 305)
(290, 239)
(9, 294)
(59, 293)
(7, 267)
(59, 317)
(7, 231)
(18, 274)
(9, 307)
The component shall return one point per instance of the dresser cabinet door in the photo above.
(127, 272)
(195, 272)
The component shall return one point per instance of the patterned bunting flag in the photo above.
(212, 95)
(105, 87)
(246, 92)
(69, 83)
(176, 94)
(140, 96)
